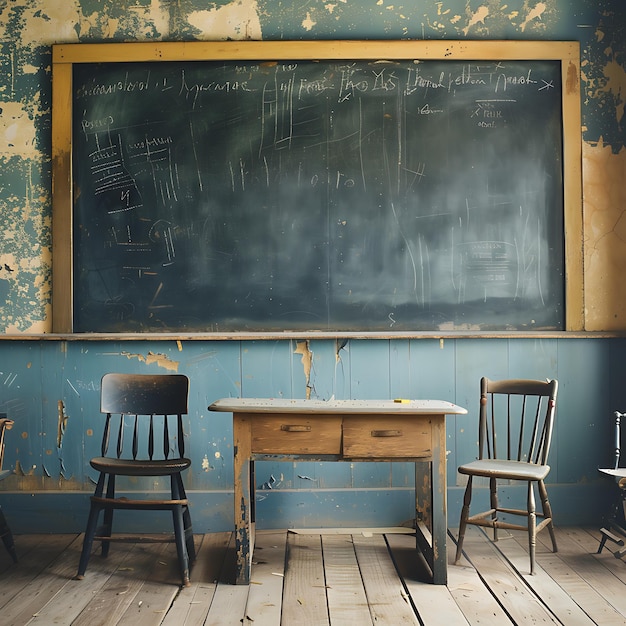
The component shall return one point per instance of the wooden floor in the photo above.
(307, 578)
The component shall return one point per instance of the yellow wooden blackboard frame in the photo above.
(66, 55)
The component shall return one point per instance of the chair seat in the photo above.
(128, 467)
(507, 470)
(620, 472)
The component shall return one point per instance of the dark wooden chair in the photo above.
(5, 531)
(515, 430)
(143, 436)
(614, 528)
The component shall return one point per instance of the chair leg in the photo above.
(191, 548)
(493, 500)
(90, 530)
(532, 526)
(547, 512)
(107, 522)
(7, 537)
(179, 530)
(467, 497)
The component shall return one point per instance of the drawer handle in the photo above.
(295, 428)
(386, 433)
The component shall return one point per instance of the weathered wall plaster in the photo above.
(29, 27)
(236, 20)
(605, 236)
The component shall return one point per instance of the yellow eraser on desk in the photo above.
(402, 400)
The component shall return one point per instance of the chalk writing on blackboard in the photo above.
(374, 196)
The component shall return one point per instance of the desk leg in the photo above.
(431, 518)
(244, 493)
(439, 507)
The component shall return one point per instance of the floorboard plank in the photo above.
(228, 606)
(24, 546)
(435, 604)
(67, 604)
(304, 597)
(585, 579)
(543, 583)
(386, 596)
(112, 601)
(472, 596)
(192, 604)
(42, 588)
(328, 579)
(158, 591)
(42, 551)
(507, 587)
(347, 602)
(264, 604)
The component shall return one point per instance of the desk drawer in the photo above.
(367, 436)
(290, 434)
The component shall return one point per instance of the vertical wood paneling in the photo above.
(584, 388)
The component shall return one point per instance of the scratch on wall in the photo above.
(236, 20)
(303, 348)
(162, 360)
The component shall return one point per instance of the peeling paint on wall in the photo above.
(162, 360)
(303, 348)
(236, 20)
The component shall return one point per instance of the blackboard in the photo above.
(339, 195)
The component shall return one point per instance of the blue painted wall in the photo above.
(51, 443)
(53, 480)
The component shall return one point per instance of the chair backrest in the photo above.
(5, 424)
(516, 419)
(618, 438)
(139, 409)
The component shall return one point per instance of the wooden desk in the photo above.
(344, 430)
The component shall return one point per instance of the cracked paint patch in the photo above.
(40, 22)
(308, 23)
(236, 20)
(145, 19)
(25, 248)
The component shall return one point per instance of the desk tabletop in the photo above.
(280, 405)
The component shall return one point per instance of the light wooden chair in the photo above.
(515, 429)
(614, 529)
(139, 409)
(5, 531)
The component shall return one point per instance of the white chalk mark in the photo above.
(232, 176)
(539, 262)
(408, 247)
(361, 144)
(67, 380)
(195, 155)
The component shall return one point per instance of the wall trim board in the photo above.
(309, 336)
(66, 56)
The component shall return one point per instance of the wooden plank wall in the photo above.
(51, 389)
